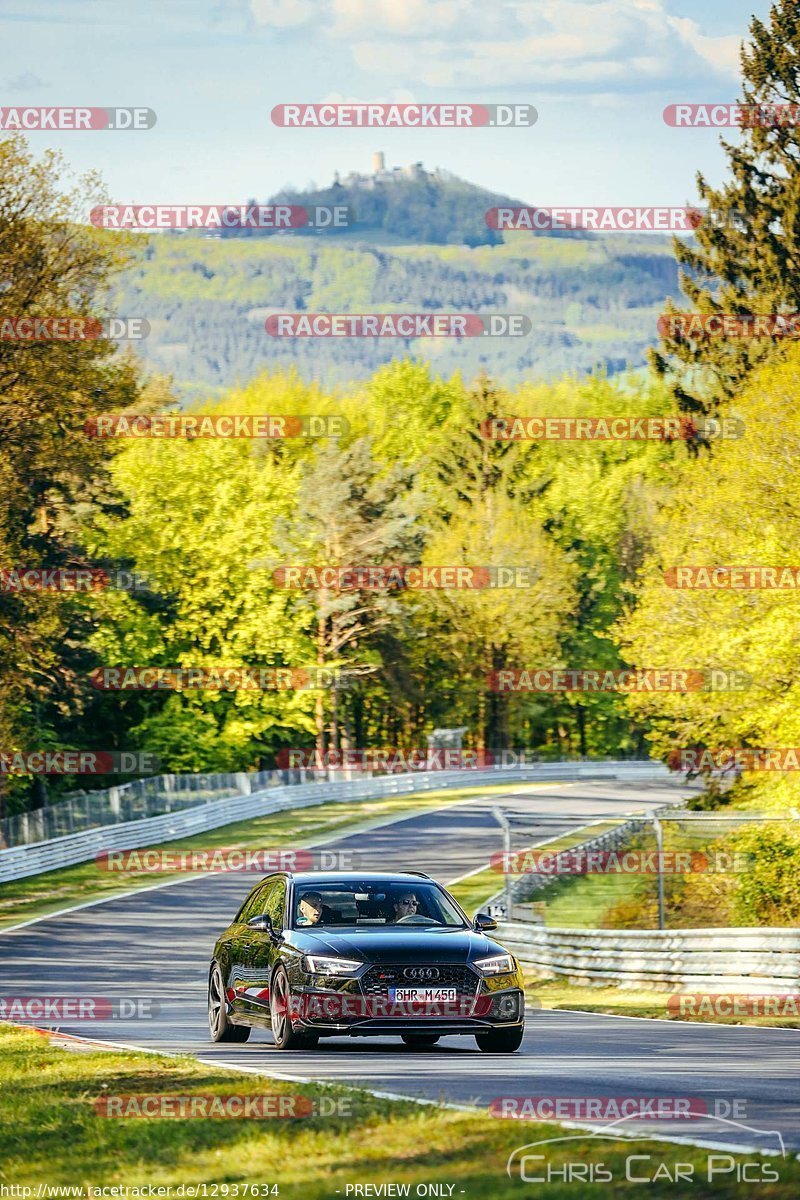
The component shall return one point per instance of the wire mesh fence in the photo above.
(664, 868)
(156, 795)
(150, 797)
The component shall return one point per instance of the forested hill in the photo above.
(427, 209)
(593, 302)
(406, 204)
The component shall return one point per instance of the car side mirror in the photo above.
(483, 922)
(262, 922)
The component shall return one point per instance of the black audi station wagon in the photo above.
(313, 955)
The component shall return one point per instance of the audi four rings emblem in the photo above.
(421, 973)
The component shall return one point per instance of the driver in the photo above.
(405, 905)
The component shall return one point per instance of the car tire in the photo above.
(280, 998)
(420, 1040)
(219, 1026)
(500, 1041)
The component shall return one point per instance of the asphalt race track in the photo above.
(158, 943)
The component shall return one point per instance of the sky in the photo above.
(599, 72)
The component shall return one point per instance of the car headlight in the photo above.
(323, 964)
(495, 964)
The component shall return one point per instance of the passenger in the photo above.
(312, 911)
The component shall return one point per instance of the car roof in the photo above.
(361, 876)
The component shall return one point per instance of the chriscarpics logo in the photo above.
(606, 1156)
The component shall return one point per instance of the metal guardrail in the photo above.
(763, 960)
(157, 794)
(19, 862)
(142, 798)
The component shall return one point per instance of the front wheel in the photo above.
(280, 1005)
(219, 1026)
(500, 1041)
(420, 1039)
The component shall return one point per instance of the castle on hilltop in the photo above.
(382, 174)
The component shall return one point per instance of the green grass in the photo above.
(573, 905)
(49, 892)
(51, 1134)
(475, 890)
(572, 901)
(582, 902)
(631, 1002)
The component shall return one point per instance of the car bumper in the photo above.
(335, 1012)
(376, 1028)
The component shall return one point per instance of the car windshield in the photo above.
(385, 904)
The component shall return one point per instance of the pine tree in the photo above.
(746, 254)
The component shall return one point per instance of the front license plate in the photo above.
(417, 995)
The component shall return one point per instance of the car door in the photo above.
(263, 948)
(242, 947)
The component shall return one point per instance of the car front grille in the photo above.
(378, 979)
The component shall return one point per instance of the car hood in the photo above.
(395, 945)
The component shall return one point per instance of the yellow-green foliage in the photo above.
(738, 506)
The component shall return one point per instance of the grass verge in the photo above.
(636, 1002)
(476, 889)
(51, 1134)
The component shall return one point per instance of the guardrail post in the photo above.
(508, 898)
(113, 802)
(660, 857)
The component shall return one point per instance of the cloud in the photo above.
(407, 18)
(601, 44)
(27, 81)
(721, 53)
(284, 14)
